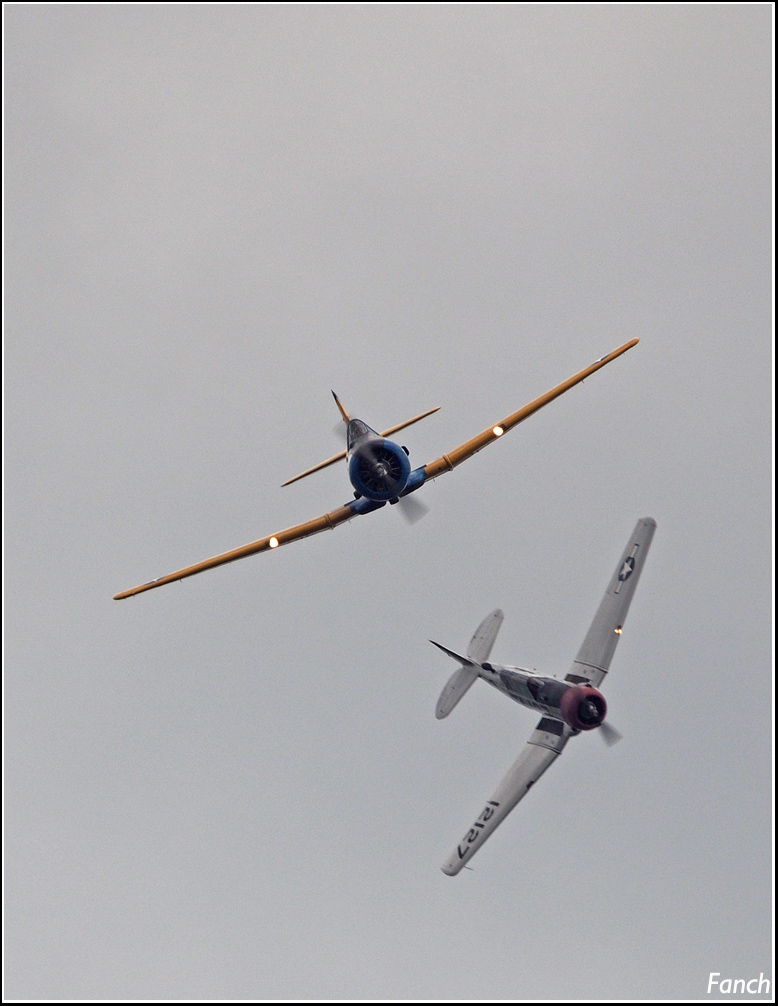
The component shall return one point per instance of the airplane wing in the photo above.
(594, 658)
(449, 461)
(541, 751)
(323, 523)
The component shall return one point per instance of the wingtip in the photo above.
(617, 352)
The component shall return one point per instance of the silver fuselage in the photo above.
(535, 691)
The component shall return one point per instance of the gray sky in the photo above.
(236, 786)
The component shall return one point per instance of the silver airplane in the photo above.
(566, 707)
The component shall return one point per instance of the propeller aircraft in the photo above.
(380, 472)
(566, 707)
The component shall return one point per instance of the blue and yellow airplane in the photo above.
(380, 473)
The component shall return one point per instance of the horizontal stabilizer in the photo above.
(409, 422)
(341, 454)
(484, 636)
(322, 464)
(457, 684)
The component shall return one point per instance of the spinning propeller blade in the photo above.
(412, 509)
(609, 734)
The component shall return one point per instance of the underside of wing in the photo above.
(323, 523)
(449, 461)
(541, 751)
(594, 658)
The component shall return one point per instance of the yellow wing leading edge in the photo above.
(323, 523)
(445, 463)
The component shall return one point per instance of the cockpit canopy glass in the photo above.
(356, 430)
(547, 690)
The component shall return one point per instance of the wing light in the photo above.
(617, 630)
(290, 534)
(448, 462)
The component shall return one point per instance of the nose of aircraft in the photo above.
(583, 707)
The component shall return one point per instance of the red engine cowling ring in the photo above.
(583, 707)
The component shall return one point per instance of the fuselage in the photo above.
(580, 706)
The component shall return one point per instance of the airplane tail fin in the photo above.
(477, 652)
(344, 415)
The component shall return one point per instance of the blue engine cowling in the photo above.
(379, 470)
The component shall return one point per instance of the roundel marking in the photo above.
(626, 569)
